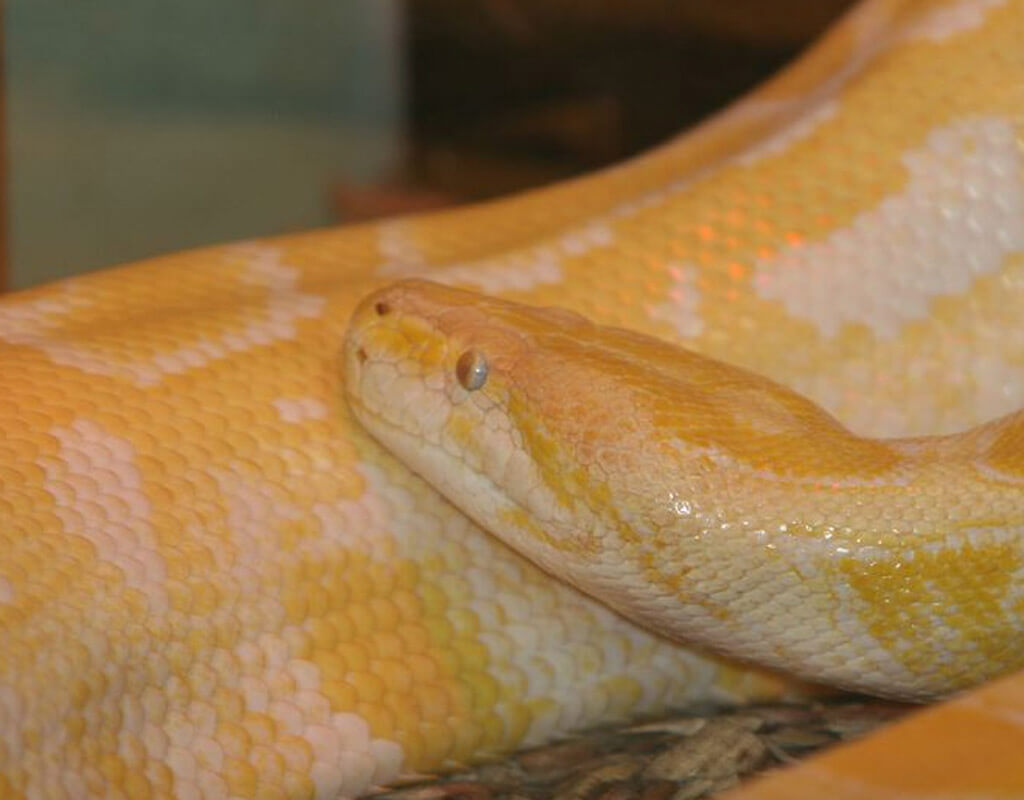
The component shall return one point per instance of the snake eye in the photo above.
(471, 370)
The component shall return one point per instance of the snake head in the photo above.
(510, 411)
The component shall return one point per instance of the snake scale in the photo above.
(215, 584)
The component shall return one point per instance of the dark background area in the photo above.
(135, 127)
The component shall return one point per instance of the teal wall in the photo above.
(141, 126)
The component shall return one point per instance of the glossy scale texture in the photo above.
(214, 584)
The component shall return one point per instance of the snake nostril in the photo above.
(361, 355)
(382, 308)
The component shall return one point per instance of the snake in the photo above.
(742, 408)
(700, 499)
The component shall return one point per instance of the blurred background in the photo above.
(135, 127)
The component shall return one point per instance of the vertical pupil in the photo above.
(471, 370)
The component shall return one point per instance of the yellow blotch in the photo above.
(402, 653)
(136, 786)
(356, 658)
(438, 744)
(344, 629)
(240, 776)
(161, 779)
(292, 534)
(525, 523)
(555, 470)
(260, 727)
(517, 719)
(296, 752)
(1004, 452)
(462, 428)
(112, 768)
(323, 635)
(75, 726)
(340, 694)
(405, 338)
(294, 600)
(494, 733)
(387, 645)
(925, 607)
(379, 718)
(434, 602)
(413, 748)
(298, 784)
(573, 487)
(397, 677)
(270, 792)
(269, 764)
(472, 655)
(205, 599)
(423, 668)
(623, 693)
(467, 741)
(484, 688)
(233, 739)
(369, 687)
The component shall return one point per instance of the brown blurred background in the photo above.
(134, 127)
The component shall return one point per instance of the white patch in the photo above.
(28, 322)
(345, 753)
(255, 507)
(343, 756)
(6, 591)
(285, 305)
(801, 128)
(648, 200)
(100, 496)
(400, 253)
(999, 384)
(960, 215)
(681, 310)
(300, 409)
(864, 395)
(182, 765)
(948, 21)
(32, 324)
(515, 270)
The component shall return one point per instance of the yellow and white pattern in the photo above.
(214, 585)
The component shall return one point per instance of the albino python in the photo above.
(214, 583)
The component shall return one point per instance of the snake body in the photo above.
(702, 500)
(214, 583)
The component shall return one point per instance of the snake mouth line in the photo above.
(363, 411)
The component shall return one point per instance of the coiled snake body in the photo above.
(213, 583)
